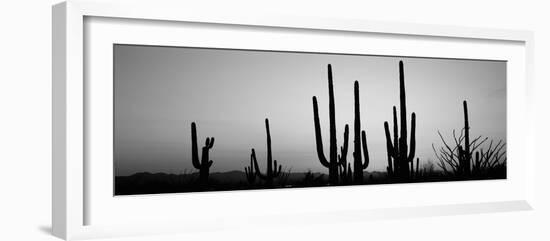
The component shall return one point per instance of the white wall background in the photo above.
(25, 133)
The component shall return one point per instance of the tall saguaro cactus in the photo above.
(358, 164)
(467, 155)
(465, 152)
(273, 170)
(401, 153)
(205, 163)
(332, 162)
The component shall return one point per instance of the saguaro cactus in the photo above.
(345, 167)
(205, 163)
(249, 171)
(273, 170)
(464, 153)
(332, 162)
(401, 153)
(358, 164)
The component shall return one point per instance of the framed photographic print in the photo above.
(172, 112)
(164, 97)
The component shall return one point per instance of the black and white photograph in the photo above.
(192, 119)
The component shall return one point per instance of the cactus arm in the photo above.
(395, 131)
(412, 146)
(466, 139)
(274, 173)
(269, 155)
(256, 167)
(211, 144)
(333, 148)
(389, 169)
(318, 135)
(389, 145)
(344, 147)
(365, 150)
(194, 147)
(402, 103)
(249, 171)
(205, 157)
(276, 169)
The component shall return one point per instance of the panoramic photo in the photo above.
(203, 119)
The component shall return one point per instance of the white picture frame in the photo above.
(75, 195)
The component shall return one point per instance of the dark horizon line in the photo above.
(167, 173)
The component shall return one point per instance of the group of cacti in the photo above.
(340, 172)
(400, 147)
(273, 170)
(400, 155)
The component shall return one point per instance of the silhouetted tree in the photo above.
(205, 163)
(490, 162)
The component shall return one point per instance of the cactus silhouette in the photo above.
(398, 150)
(273, 170)
(464, 154)
(249, 171)
(332, 162)
(359, 137)
(205, 163)
(345, 168)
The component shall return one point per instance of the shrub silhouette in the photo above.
(311, 180)
(205, 163)
(400, 155)
(457, 159)
(273, 170)
(358, 139)
(283, 180)
(332, 162)
(491, 162)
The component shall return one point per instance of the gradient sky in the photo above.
(159, 91)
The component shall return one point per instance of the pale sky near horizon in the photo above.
(159, 91)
